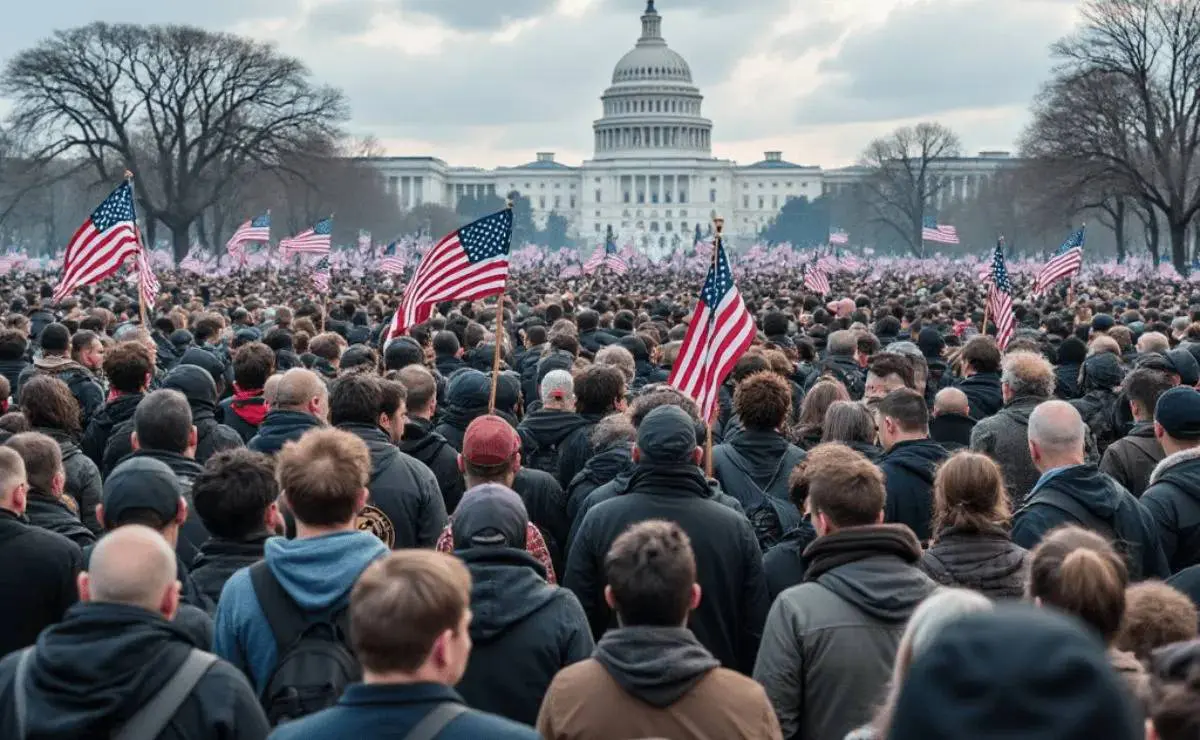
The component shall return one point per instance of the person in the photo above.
(651, 677)
(544, 431)
(405, 506)
(117, 652)
(1071, 354)
(1170, 496)
(14, 346)
(300, 404)
(783, 564)
(56, 362)
(1131, 459)
(888, 372)
(520, 624)
(421, 442)
(468, 396)
(1027, 382)
(236, 497)
(599, 391)
(1156, 615)
(42, 579)
(323, 482)
(980, 359)
(668, 484)
(50, 409)
(245, 410)
(46, 503)
(128, 367)
(447, 352)
(1100, 379)
(613, 440)
(852, 424)
(839, 365)
(951, 424)
(408, 675)
(860, 587)
(198, 387)
(808, 430)
(910, 459)
(1174, 712)
(972, 547)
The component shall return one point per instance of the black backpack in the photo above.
(854, 382)
(540, 458)
(770, 514)
(314, 664)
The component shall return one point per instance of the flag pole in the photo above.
(1071, 284)
(144, 256)
(499, 336)
(718, 227)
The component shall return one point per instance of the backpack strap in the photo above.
(284, 616)
(154, 715)
(1081, 515)
(20, 699)
(432, 724)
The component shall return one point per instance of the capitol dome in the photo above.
(652, 107)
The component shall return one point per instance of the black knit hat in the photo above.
(1178, 411)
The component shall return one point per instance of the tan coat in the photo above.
(585, 703)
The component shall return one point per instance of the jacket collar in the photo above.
(361, 694)
(1171, 461)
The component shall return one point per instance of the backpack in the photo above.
(854, 382)
(771, 516)
(314, 664)
(540, 458)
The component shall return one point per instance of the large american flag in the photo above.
(838, 236)
(607, 256)
(104, 241)
(816, 278)
(1000, 302)
(466, 265)
(1064, 263)
(321, 274)
(257, 229)
(720, 333)
(391, 262)
(932, 231)
(313, 241)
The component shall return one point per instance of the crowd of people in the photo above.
(239, 513)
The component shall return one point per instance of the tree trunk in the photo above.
(1118, 215)
(151, 235)
(918, 242)
(1179, 247)
(1152, 235)
(179, 242)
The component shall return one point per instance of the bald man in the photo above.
(1072, 491)
(116, 650)
(298, 402)
(951, 424)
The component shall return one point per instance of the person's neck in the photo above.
(422, 414)
(311, 531)
(1172, 446)
(471, 481)
(1061, 462)
(910, 437)
(424, 674)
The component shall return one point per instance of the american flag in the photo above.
(321, 274)
(608, 257)
(191, 262)
(313, 241)
(147, 282)
(816, 278)
(932, 231)
(392, 263)
(838, 236)
(1000, 302)
(257, 229)
(101, 244)
(720, 333)
(571, 271)
(364, 241)
(1065, 262)
(465, 265)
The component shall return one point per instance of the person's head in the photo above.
(969, 495)
(43, 462)
(393, 408)
(1174, 701)
(1056, 436)
(446, 344)
(253, 363)
(599, 390)
(888, 372)
(1153, 341)
(817, 402)
(490, 515)
(846, 422)
(358, 399)
(557, 391)
(132, 566)
(667, 436)
(402, 352)
(980, 355)
(323, 480)
(87, 350)
(142, 490)
(301, 390)
(491, 452)
(841, 489)
(328, 346)
(841, 344)
(901, 416)
(128, 367)
(763, 401)
(650, 572)
(49, 404)
(1176, 419)
(1026, 374)
(951, 402)
(237, 496)
(1143, 387)
(920, 366)
(1155, 615)
(55, 339)
(14, 488)
(620, 358)
(163, 421)
(421, 388)
(430, 594)
(1079, 572)
(13, 344)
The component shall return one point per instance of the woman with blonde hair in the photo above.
(972, 547)
(808, 429)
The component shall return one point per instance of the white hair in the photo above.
(557, 383)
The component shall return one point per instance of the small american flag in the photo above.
(571, 271)
(720, 333)
(192, 263)
(364, 241)
(104, 241)
(932, 231)
(316, 240)
(1000, 302)
(467, 264)
(147, 282)
(321, 274)
(392, 263)
(816, 278)
(608, 257)
(257, 229)
(838, 236)
(1064, 263)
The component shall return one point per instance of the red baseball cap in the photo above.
(490, 440)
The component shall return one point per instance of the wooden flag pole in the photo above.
(144, 256)
(718, 227)
(499, 337)
(1071, 284)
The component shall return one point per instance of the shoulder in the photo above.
(476, 724)
(47, 542)
(733, 688)
(223, 677)
(582, 676)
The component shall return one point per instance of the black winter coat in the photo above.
(11, 370)
(547, 508)
(82, 382)
(987, 562)
(100, 431)
(219, 558)
(281, 427)
(601, 468)
(784, 563)
(845, 370)
(908, 471)
(432, 450)
(952, 431)
(594, 340)
(576, 449)
(1173, 499)
(83, 477)
(523, 632)
(45, 511)
(193, 534)
(543, 433)
(201, 392)
(1067, 381)
(229, 416)
(983, 394)
(38, 583)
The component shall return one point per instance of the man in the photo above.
(405, 507)
(520, 624)
(13, 358)
(591, 338)
(408, 675)
(323, 481)
(245, 410)
(888, 372)
(829, 643)
(1171, 496)
(668, 484)
(599, 391)
(1099, 381)
(197, 385)
(544, 431)
(1027, 382)
(129, 368)
(980, 359)
(117, 652)
(39, 585)
(534, 339)
(952, 423)
(839, 363)
(447, 353)
(1131, 459)
(1071, 491)
(421, 441)
(300, 404)
(327, 348)
(47, 504)
(55, 361)
(910, 460)
(626, 689)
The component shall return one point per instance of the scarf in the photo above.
(249, 405)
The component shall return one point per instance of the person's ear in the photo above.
(193, 437)
(84, 585)
(100, 516)
(133, 441)
(698, 456)
(170, 600)
(462, 466)
(58, 483)
(181, 511)
(879, 518)
(608, 598)
(694, 603)
(384, 421)
(361, 502)
(147, 379)
(636, 455)
(1159, 432)
(516, 463)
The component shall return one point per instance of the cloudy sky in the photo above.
(490, 82)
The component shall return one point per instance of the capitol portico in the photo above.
(652, 177)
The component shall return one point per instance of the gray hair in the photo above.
(557, 381)
(842, 342)
(617, 356)
(1028, 374)
(611, 430)
(1057, 427)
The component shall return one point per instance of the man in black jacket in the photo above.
(1173, 496)
(543, 431)
(197, 385)
(591, 338)
(421, 441)
(669, 484)
(47, 504)
(839, 364)
(405, 507)
(951, 424)
(910, 460)
(129, 368)
(245, 410)
(300, 403)
(13, 362)
(599, 391)
(980, 358)
(447, 353)
(1132, 458)
(116, 650)
(57, 360)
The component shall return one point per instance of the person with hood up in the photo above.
(543, 431)
(651, 677)
(1071, 491)
(980, 361)
(46, 503)
(1099, 380)
(300, 404)
(50, 409)
(613, 440)
(520, 625)
(1071, 354)
(645, 372)
(421, 441)
(467, 396)
(1173, 495)
(829, 643)
(667, 483)
(115, 651)
(951, 424)
(1132, 458)
(405, 507)
(599, 391)
(245, 410)
(57, 361)
(129, 368)
(909, 461)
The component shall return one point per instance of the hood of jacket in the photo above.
(218, 549)
(67, 443)
(1092, 489)
(1181, 468)
(118, 409)
(608, 463)
(547, 428)
(920, 457)
(97, 667)
(873, 568)
(763, 450)
(183, 467)
(1020, 408)
(378, 443)
(319, 571)
(57, 364)
(284, 423)
(420, 440)
(198, 386)
(679, 480)
(656, 664)
(507, 586)
(1101, 372)
(249, 406)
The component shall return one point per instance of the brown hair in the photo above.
(1078, 572)
(420, 385)
(886, 364)
(816, 402)
(1174, 706)
(49, 403)
(127, 366)
(327, 346)
(253, 363)
(842, 484)
(1155, 615)
(651, 570)
(322, 474)
(982, 353)
(848, 421)
(42, 458)
(428, 592)
(763, 401)
(907, 407)
(969, 494)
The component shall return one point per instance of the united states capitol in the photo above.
(653, 177)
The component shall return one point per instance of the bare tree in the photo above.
(903, 182)
(187, 110)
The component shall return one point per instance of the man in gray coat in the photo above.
(829, 643)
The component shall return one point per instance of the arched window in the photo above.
(654, 227)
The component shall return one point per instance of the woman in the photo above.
(808, 430)
(851, 424)
(971, 544)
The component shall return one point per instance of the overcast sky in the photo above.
(490, 82)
